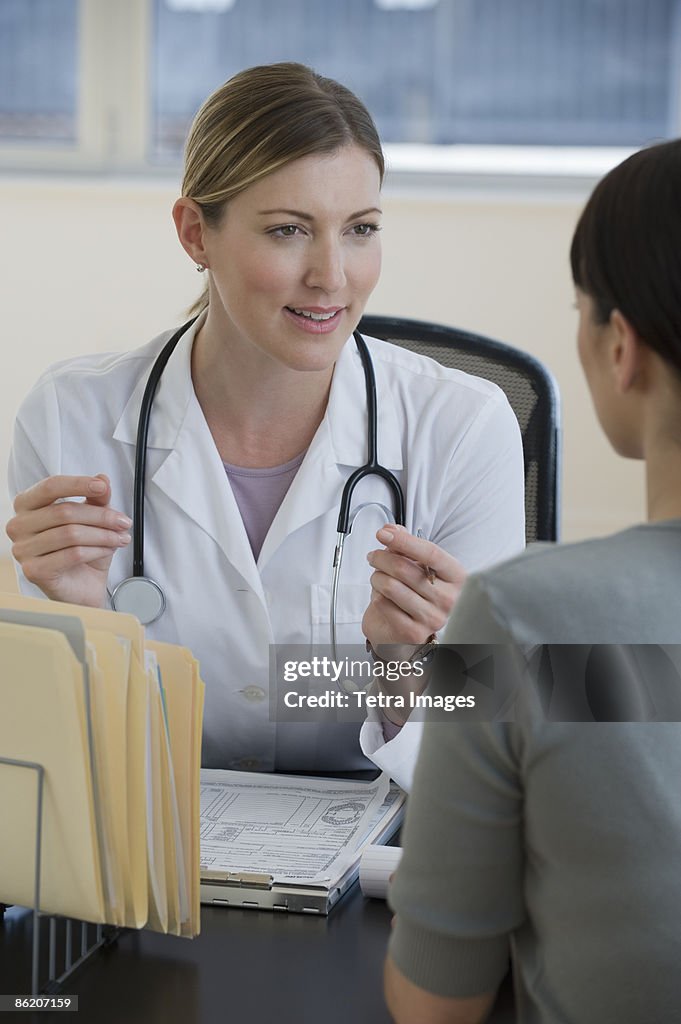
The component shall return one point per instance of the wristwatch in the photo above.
(423, 652)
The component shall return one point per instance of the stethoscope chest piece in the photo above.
(141, 597)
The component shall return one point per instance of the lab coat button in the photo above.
(253, 693)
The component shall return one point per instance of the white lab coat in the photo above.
(451, 439)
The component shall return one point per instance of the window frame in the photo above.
(112, 96)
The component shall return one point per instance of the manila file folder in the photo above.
(44, 719)
(140, 777)
(116, 642)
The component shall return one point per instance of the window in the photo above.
(537, 72)
(115, 85)
(38, 70)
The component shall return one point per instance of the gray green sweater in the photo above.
(558, 841)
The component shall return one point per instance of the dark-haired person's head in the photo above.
(626, 266)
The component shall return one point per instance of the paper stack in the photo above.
(116, 724)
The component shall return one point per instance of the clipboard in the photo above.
(263, 891)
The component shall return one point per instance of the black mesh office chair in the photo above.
(530, 389)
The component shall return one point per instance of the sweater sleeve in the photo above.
(458, 893)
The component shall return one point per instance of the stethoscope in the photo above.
(144, 597)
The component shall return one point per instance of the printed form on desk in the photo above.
(288, 842)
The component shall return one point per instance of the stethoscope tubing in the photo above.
(141, 448)
(345, 518)
(372, 466)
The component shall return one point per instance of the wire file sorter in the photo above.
(100, 744)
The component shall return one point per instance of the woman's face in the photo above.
(296, 257)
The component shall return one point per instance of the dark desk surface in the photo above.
(247, 967)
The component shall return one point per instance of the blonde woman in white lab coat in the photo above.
(259, 419)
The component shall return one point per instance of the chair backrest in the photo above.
(530, 388)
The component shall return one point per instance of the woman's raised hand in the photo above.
(65, 546)
(414, 587)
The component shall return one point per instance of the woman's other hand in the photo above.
(64, 546)
(415, 585)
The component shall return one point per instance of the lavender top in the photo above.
(259, 493)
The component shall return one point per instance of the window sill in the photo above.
(530, 171)
(431, 172)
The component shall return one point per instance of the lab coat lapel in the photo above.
(339, 444)
(316, 488)
(194, 477)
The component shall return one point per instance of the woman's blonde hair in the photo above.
(262, 119)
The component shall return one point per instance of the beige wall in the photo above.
(94, 265)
